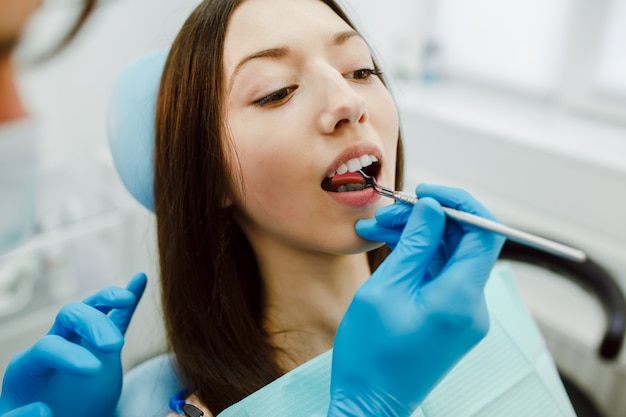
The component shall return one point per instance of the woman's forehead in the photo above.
(258, 25)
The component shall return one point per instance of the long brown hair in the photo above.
(211, 287)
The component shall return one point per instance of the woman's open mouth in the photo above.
(347, 177)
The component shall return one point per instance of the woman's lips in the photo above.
(345, 184)
(356, 198)
(350, 188)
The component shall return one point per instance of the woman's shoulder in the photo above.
(195, 401)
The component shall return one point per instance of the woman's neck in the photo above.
(306, 298)
(11, 106)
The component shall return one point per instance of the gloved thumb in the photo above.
(420, 240)
(387, 225)
(121, 317)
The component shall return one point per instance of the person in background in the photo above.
(78, 361)
(18, 132)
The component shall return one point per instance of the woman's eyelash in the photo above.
(279, 96)
(364, 73)
(276, 97)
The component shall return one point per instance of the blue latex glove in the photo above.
(387, 225)
(410, 323)
(76, 368)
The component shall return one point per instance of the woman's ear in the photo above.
(227, 202)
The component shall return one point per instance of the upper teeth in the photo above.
(355, 164)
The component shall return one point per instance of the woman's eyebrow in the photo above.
(342, 37)
(272, 53)
(275, 53)
(283, 51)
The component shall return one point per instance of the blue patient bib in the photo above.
(510, 373)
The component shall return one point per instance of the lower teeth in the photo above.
(350, 187)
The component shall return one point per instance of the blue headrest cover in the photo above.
(130, 124)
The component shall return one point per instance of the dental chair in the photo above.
(149, 386)
(595, 280)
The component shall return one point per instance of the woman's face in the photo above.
(303, 104)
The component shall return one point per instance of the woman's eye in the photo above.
(364, 73)
(276, 97)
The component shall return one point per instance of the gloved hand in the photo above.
(31, 410)
(410, 323)
(76, 368)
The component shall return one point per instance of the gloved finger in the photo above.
(458, 199)
(110, 298)
(408, 263)
(78, 320)
(121, 316)
(52, 352)
(370, 229)
(475, 249)
(470, 265)
(471, 262)
(453, 233)
(454, 198)
(394, 216)
(438, 262)
(387, 225)
(31, 410)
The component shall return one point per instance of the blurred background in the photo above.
(523, 103)
(88, 232)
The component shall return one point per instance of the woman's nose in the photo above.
(342, 104)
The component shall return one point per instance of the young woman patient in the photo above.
(262, 102)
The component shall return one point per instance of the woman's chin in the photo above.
(367, 245)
